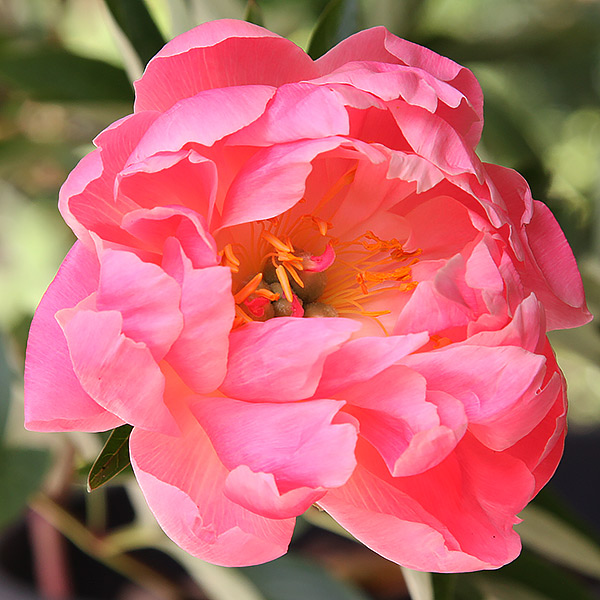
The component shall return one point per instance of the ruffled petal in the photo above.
(230, 110)
(152, 228)
(296, 111)
(199, 355)
(118, 373)
(183, 482)
(412, 429)
(282, 359)
(461, 512)
(363, 358)
(238, 53)
(54, 398)
(87, 200)
(273, 180)
(145, 296)
(486, 380)
(182, 178)
(299, 443)
(379, 45)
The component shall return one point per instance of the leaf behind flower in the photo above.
(340, 19)
(113, 458)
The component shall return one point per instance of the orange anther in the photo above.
(248, 289)
(230, 256)
(285, 283)
(276, 242)
(271, 296)
(294, 274)
(375, 313)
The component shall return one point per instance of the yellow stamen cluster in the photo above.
(363, 268)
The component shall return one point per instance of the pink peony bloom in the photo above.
(300, 285)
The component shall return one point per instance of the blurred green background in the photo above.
(65, 73)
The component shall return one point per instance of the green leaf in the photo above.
(557, 541)
(134, 20)
(113, 458)
(55, 75)
(21, 473)
(253, 13)
(340, 19)
(291, 578)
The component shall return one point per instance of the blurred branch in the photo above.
(103, 549)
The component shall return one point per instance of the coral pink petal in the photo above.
(54, 398)
(429, 310)
(462, 511)
(363, 358)
(378, 44)
(409, 167)
(238, 53)
(282, 359)
(429, 227)
(556, 262)
(258, 492)
(434, 139)
(526, 329)
(200, 353)
(484, 379)
(86, 199)
(147, 298)
(273, 180)
(118, 373)
(182, 178)
(230, 109)
(541, 449)
(391, 82)
(297, 111)
(153, 227)
(183, 482)
(297, 442)
(397, 416)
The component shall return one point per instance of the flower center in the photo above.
(294, 267)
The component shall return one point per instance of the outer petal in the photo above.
(486, 380)
(230, 110)
(238, 53)
(281, 360)
(183, 481)
(549, 270)
(297, 111)
(378, 44)
(298, 443)
(391, 82)
(457, 516)
(182, 178)
(86, 200)
(54, 398)
(118, 373)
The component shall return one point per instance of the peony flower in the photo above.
(300, 285)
